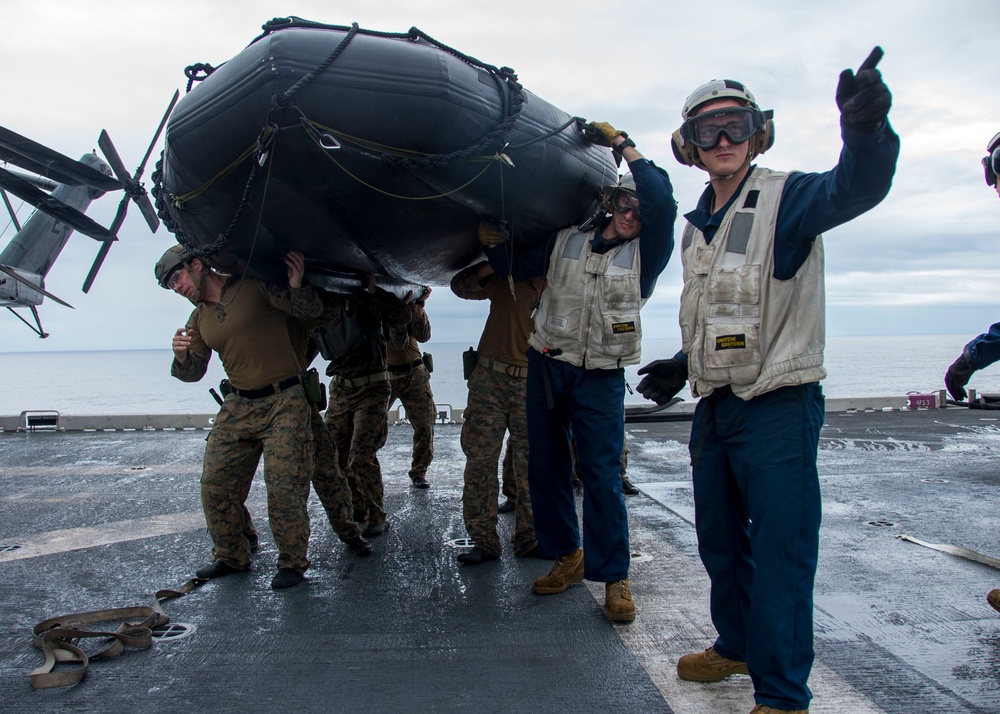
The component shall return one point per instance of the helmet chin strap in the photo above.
(196, 297)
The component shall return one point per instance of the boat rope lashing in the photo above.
(58, 637)
(265, 144)
(198, 72)
(511, 94)
(284, 100)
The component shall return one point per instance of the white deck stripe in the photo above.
(62, 541)
(671, 596)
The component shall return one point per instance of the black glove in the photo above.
(958, 376)
(863, 98)
(664, 378)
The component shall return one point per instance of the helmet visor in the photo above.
(991, 165)
(737, 123)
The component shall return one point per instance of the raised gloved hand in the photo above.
(603, 133)
(490, 233)
(863, 98)
(664, 379)
(958, 376)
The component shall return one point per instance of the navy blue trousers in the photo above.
(757, 515)
(589, 403)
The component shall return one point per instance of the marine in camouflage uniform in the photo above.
(254, 327)
(496, 405)
(411, 384)
(359, 394)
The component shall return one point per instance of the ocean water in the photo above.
(139, 381)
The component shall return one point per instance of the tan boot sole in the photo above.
(620, 616)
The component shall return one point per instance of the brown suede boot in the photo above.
(708, 666)
(567, 569)
(993, 598)
(618, 605)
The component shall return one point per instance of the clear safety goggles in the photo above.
(737, 123)
(175, 276)
(624, 201)
(991, 165)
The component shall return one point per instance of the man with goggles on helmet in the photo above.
(753, 332)
(983, 350)
(586, 330)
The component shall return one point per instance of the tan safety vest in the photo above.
(739, 325)
(590, 307)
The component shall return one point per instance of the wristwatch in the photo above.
(621, 146)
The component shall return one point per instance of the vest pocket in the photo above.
(734, 344)
(621, 329)
(735, 291)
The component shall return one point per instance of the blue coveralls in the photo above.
(756, 487)
(983, 350)
(589, 403)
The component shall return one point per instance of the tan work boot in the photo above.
(567, 569)
(993, 598)
(708, 666)
(764, 709)
(618, 605)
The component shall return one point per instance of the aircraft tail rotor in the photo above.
(134, 191)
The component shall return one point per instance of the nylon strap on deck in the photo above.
(57, 637)
(955, 550)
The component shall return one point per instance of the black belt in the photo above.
(401, 368)
(266, 391)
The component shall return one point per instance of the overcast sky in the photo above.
(926, 261)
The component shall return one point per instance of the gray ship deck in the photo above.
(104, 519)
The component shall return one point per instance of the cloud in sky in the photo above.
(926, 260)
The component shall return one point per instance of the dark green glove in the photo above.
(664, 379)
(958, 376)
(863, 98)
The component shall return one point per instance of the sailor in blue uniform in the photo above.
(586, 331)
(753, 331)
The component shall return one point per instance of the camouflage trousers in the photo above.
(413, 390)
(330, 482)
(496, 405)
(277, 427)
(359, 426)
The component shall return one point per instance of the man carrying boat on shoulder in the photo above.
(253, 325)
(753, 332)
(586, 332)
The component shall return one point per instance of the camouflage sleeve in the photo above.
(468, 285)
(302, 303)
(392, 312)
(333, 310)
(420, 324)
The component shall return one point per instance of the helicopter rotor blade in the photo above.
(54, 207)
(35, 157)
(24, 281)
(132, 188)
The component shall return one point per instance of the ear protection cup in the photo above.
(683, 152)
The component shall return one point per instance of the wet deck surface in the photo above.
(99, 520)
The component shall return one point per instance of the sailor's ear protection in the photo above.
(687, 153)
(683, 152)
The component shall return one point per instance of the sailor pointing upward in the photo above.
(753, 331)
